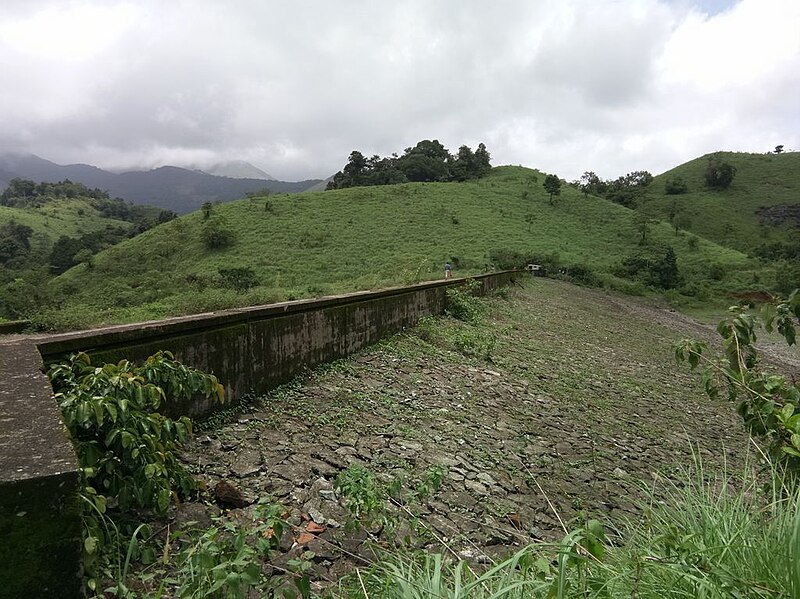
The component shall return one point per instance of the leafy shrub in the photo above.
(198, 282)
(426, 328)
(240, 279)
(363, 496)
(700, 291)
(582, 274)
(474, 342)
(226, 560)
(216, 234)
(676, 186)
(502, 292)
(778, 251)
(462, 305)
(507, 259)
(787, 277)
(719, 175)
(125, 447)
(716, 271)
(652, 267)
(769, 404)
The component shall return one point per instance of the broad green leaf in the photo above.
(163, 500)
(90, 545)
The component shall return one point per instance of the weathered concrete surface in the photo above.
(254, 349)
(40, 526)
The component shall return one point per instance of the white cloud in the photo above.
(294, 87)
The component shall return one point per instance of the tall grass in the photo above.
(710, 538)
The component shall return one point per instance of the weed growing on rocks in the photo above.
(463, 305)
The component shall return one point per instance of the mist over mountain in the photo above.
(178, 189)
(237, 169)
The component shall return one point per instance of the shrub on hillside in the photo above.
(699, 291)
(716, 271)
(507, 259)
(581, 274)
(676, 186)
(787, 277)
(216, 234)
(240, 279)
(778, 251)
(653, 266)
(719, 175)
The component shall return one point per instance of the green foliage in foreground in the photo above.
(126, 448)
(316, 244)
(709, 539)
(225, 559)
(769, 403)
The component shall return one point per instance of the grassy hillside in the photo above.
(361, 238)
(70, 217)
(730, 217)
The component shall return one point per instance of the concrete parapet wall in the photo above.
(14, 326)
(40, 521)
(255, 349)
(249, 350)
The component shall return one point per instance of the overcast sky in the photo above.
(564, 86)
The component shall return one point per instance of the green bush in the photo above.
(507, 259)
(126, 448)
(676, 186)
(716, 271)
(474, 342)
(787, 277)
(582, 274)
(652, 267)
(462, 305)
(225, 560)
(718, 174)
(239, 279)
(216, 234)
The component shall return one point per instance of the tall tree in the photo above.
(719, 175)
(482, 160)
(552, 185)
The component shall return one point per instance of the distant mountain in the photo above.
(322, 185)
(178, 189)
(237, 169)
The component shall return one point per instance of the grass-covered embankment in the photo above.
(730, 217)
(363, 238)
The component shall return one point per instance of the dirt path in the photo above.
(579, 407)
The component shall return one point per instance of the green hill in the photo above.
(731, 217)
(69, 217)
(369, 237)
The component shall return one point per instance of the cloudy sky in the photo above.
(564, 86)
